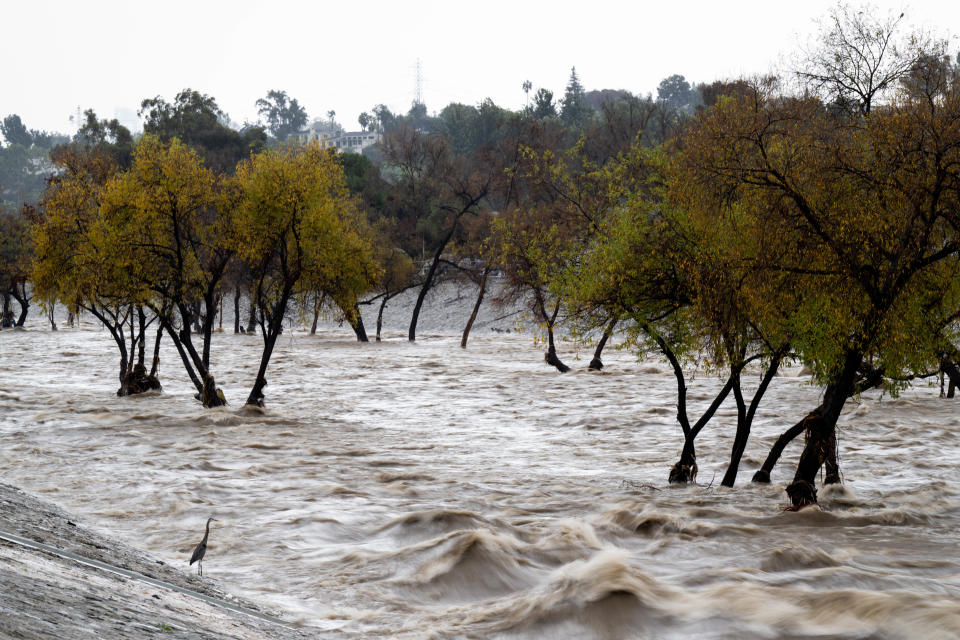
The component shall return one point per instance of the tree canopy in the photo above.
(283, 115)
(198, 121)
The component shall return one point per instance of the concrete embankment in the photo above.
(61, 580)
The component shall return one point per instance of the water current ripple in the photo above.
(421, 490)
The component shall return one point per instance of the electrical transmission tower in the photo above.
(418, 95)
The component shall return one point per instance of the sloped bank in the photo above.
(62, 580)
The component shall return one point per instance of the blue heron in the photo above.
(201, 548)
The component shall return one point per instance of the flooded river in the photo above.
(420, 490)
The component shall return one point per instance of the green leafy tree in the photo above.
(283, 115)
(468, 128)
(574, 111)
(865, 209)
(23, 174)
(15, 132)
(365, 120)
(24, 163)
(197, 121)
(105, 136)
(674, 281)
(676, 93)
(419, 118)
(386, 119)
(16, 252)
(543, 105)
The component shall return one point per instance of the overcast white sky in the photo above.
(109, 55)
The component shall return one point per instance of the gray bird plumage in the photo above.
(201, 549)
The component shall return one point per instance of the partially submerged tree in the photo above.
(866, 211)
(438, 189)
(169, 214)
(79, 262)
(299, 231)
(16, 252)
(531, 243)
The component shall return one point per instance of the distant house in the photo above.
(321, 132)
(336, 138)
(355, 141)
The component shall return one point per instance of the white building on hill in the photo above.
(336, 138)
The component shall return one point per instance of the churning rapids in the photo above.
(421, 490)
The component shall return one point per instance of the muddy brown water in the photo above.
(420, 490)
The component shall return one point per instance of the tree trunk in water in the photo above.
(316, 314)
(53, 322)
(871, 379)
(252, 318)
(271, 331)
(551, 356)
(821, 434)
(745, 417)
(685, 469)
(952, 371)
(236, 309)
(155, 365)
(24, 303)
(203, 381)
(197, 311)
(133, 339)
(428, 282)
(763, 474)
(383, 305)
(415, 317)
(142, 343)
(740, 439)
(256, 393)
(123, 390)
(115, 326)
(211, 396)
(476, 307)
(597, 364)
(137, 380)
(172, 332)
(211, 304)
(831, 463)
(121, 343)
(6, 318)
(357, 325)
